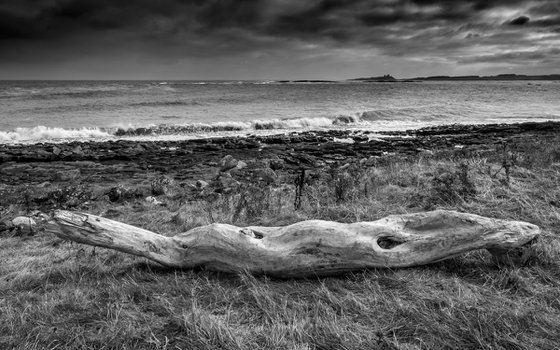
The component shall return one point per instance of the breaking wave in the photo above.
(40, 133)
(291, 123)
(170, 129)
(271, 124)
(56, 134)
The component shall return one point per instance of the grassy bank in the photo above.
(57, 294)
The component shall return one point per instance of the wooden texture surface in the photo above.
(307, 248)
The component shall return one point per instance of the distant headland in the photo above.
(390, 79)
(499, 77)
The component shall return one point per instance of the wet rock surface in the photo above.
(139, 163)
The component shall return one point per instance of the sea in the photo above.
(63, 111)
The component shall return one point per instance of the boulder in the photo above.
(24, 224)
(266, 175)
(78, 150)
(227, 163)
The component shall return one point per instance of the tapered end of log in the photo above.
(98, 231)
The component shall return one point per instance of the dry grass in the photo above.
(61, 295)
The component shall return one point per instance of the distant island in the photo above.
(380, 79)
(387, 78)
(499, 77)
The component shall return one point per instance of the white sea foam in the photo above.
(178, 129)
(233, 125)
(40, 133)
(272, 124)
(292, 123)
(43, 133)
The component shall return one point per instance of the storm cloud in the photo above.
(275, 38)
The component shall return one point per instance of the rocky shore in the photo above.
(192, 160)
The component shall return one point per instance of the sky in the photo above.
(276, 39)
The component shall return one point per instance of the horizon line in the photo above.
(294, 79)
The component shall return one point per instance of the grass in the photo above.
(62, 295)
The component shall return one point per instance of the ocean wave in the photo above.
(40, 133)
(292, 123)
(347, 119)
(270, 124)
(169, 129)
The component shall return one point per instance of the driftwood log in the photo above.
(307, 248)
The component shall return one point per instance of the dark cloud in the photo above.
(519, 21)
(167, 30)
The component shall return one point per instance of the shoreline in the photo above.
(382, 141)
(135, 163)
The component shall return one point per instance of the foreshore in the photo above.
(192, 160)
(60, 292)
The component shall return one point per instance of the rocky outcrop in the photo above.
(135, 163)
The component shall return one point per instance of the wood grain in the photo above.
(307, 248)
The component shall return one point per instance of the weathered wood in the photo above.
(307, 248)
